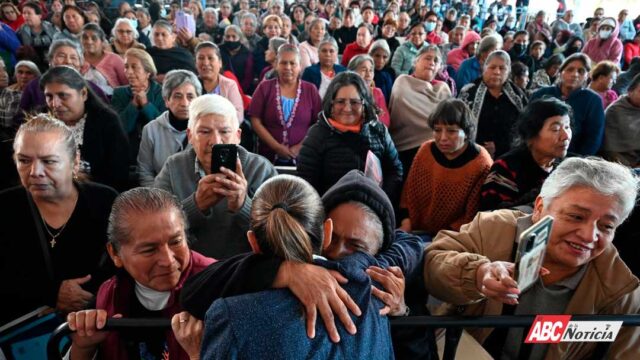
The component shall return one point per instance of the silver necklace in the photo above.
(53, 237)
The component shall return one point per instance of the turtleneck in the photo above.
(152, 299)
(180, 125)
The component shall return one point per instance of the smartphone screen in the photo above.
(224, 155)
(532, 247)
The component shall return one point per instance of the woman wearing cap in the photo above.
(405, 54)
(326, 69)
(606, 45)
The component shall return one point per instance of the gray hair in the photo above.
(288, 48)
(604, 177)
(328, 40)
(275, 43)
(276, 2)
(372, 220)
(211, 104)
(44, 123)
(164, 24)
(57, 44)
(125, 21)
(210, 10)
(316, 22)
(141, 200)
(498, 54)
(358, 60)
(176, 78)
(380, 44)
(489, 43)
(252, 16)
(238, 31)
(427, 49)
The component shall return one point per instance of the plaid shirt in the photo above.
(9, 106)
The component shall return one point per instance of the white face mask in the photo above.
(604, 34)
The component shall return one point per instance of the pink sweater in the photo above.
(111, 67)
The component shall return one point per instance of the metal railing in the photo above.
(453, 324)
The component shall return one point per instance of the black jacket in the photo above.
(328, 154)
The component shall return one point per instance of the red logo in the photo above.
(548, 329)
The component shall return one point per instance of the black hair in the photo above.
(76, 9)
(556, 59)
(33, 5)
(533, 117)
(518, 69)
(346, 78)
(453, 112)
(635, 82)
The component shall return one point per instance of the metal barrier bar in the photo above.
(452, 323)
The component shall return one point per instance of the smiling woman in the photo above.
(53, 218)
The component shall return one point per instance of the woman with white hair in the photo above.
(309, 48)
(24, 71)
(124, 37)
(167, 134)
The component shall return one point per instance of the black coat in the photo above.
(328, 154)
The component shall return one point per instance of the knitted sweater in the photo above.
(443, 194)
(412, 101)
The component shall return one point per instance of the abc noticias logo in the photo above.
(552, 329)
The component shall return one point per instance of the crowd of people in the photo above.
(419, 140)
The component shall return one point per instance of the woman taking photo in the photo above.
(309, 48)
(140, 101)
(104, 69)
(588, 112)
(492, 94)
(96, 128)
(363, 65)
(349, 136)
(543, 136)
(283, 109)
(442, 191)
(321, 73)
(166, 54)
(55, 232)
(413, 99)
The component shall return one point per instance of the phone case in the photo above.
(532, 247)
(224, 155)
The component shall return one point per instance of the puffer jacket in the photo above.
(328, 154)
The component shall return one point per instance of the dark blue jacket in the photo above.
(588, 118)
(384, 80)
(312, 73)
(269, 324)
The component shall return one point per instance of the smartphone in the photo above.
(532, 247)
(224, 155)
(185, 20)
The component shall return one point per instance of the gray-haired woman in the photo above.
(167, 134)
(321, 73)
(363, 65)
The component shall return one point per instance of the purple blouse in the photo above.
(264, 106)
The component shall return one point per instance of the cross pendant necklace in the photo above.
(53, 236)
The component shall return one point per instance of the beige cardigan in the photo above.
(451, 261)
(412, 101)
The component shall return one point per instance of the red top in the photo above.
(352, 50)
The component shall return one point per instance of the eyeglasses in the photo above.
(355, 104)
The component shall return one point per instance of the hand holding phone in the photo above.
(224, 155)
(532, 247)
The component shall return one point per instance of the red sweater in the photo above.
(631, 50)
(352, 50)
(442, 194)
